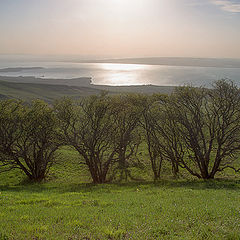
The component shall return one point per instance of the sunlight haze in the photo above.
(121, 28)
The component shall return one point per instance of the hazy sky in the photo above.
(121, 28)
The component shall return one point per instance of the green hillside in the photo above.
(28, 88)
(67, 206)
(144, 89)
(47, 92)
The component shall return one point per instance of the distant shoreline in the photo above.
(85, 84)
(171, 61)
(126, 76)
(28, 88)
(155, 61)
(18, 69)
(83, 81)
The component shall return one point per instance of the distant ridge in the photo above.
(28, 88)
(3, 97)
(82, 81)
(175, 61)
(19, 69)
(47, 92)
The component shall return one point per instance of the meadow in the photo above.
(120, 120)
(68, 206)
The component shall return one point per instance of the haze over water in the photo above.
(125, 74)
(122, 29)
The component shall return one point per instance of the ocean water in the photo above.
(123, 74)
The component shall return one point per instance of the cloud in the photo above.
(228, 5)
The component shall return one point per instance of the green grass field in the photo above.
(68, 206)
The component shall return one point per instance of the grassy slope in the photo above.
(28, 88)
(67, 207)
(145, 89)
(47, 92)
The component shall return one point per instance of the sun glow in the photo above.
(123, 74)
(122, 67)
(120, 28)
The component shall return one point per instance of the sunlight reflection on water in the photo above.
(124, 74)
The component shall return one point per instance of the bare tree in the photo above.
(208, 122)
(161, 136)
(88, 127)
(126, 112)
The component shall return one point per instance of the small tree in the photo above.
(208, 122)
(126, 112)
(88, 127)
(161, 137)
(11, 119)
(225, 111)
(28, 137)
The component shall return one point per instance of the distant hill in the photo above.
(19, 69)
(47, 92)
(176, 61)
(28, 88)
(144, 89)
(3, 97)
(82, 81)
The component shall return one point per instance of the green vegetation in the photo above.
(66, 207)
(194, 129)
(52, 157)
(29, 138)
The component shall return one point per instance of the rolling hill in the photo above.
(28, 88)
(47, 92)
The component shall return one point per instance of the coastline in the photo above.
(29, 88)
(171, 61)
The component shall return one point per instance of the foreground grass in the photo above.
(166, 210)
(65, 208)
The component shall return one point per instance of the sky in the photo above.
(121, 28)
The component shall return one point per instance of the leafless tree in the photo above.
(208, 122)
(87, 125)
(161, 136)
(126, 112)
